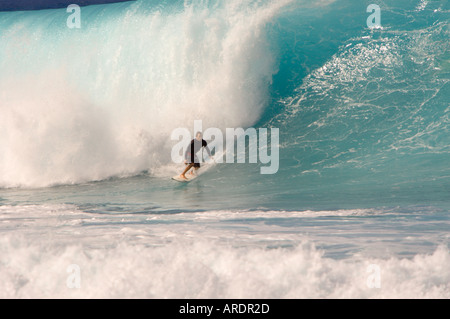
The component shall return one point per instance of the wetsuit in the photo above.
(193, 149)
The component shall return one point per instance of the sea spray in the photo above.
(102, 100)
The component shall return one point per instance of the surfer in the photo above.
(191, 159)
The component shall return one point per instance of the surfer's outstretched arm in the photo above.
(205, 145)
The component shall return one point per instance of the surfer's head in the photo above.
(199, 136)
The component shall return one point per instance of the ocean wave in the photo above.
(103, 100)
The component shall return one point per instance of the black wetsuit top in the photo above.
(193, 149)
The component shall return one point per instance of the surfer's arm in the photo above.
(208, 151)
(205, 145)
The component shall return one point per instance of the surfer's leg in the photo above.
(189, 166)
(196, 168)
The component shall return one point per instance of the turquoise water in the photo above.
(363, 176)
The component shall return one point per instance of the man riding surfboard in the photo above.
(191, 159)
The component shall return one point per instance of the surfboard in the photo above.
(187, 180)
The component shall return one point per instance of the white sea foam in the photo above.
(201, 255)
(207, 269)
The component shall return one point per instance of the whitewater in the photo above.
(360, 205)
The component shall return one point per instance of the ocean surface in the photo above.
(360, 205)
